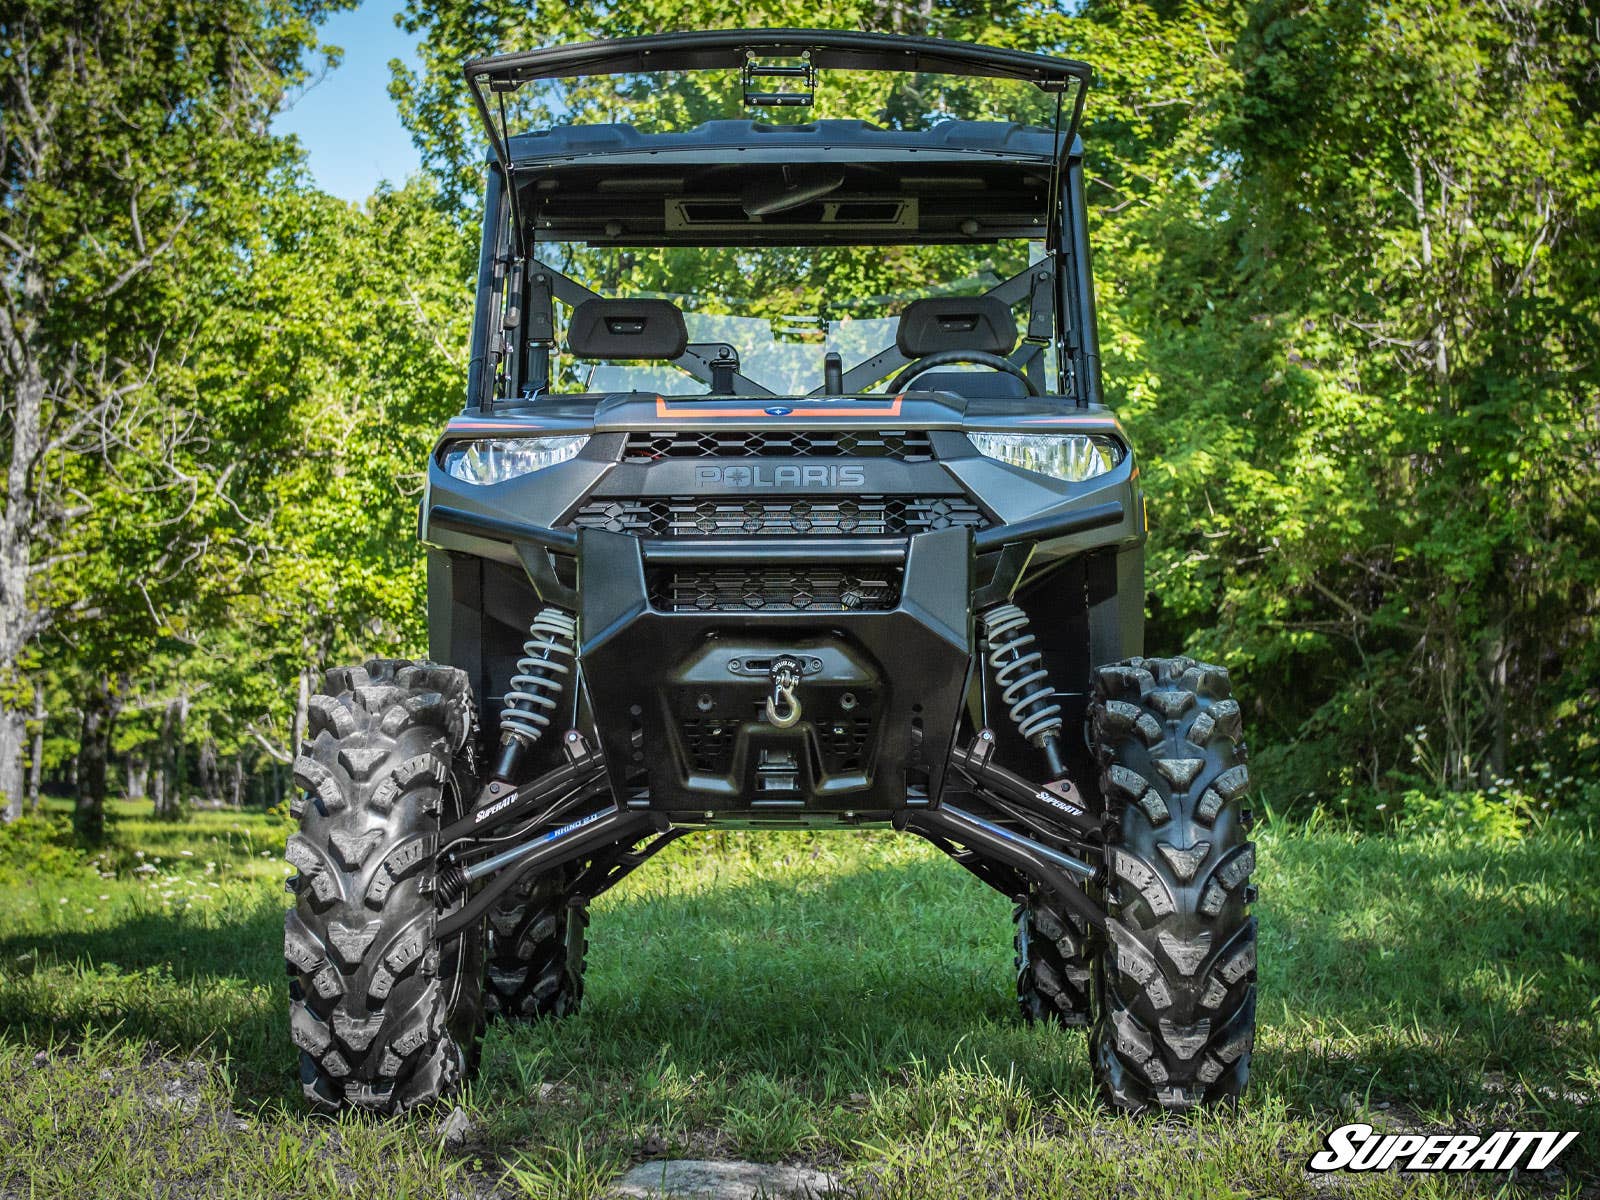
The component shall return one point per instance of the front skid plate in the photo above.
(912, 661)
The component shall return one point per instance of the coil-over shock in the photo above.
(535, 690)
(1024, 683)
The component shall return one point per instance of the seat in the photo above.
(627, 330)
(979, 323)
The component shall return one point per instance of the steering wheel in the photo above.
(944, 358)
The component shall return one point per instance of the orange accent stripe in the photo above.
(665, 409)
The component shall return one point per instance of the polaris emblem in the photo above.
(777, 410)
(787, 477)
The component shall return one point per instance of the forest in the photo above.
(1348, 263)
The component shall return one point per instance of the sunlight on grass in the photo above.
(837, 999)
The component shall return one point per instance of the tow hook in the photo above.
(783, 709)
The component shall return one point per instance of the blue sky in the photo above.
(345, 120)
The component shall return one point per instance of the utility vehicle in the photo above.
(784, 497)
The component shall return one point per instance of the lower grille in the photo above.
(798, 588)
(710, 744)
(858, 516)
(844, 742)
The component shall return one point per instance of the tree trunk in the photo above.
(302, 709)
(18, 622)
(94, 748)
(236, 789)
(36, 750)
(210, 773)
(172, 775)
(136, 776)
(13, 778)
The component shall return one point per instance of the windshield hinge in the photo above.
(1041, 304)
(801, 69)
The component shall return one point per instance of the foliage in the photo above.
(1349, 272)
(37, 847)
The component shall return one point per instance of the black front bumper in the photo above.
(677, 681)
(880, 694)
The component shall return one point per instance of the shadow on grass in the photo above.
(1403, 973)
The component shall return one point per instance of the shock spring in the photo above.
(1020, 674)
(541, 676)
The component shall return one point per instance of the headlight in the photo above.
(1070, 456)
(495, 460)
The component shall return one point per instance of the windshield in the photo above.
(671, 83)
(657, 102)
(779, 309)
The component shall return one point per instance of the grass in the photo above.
(837, 999)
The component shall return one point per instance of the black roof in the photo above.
(826, 49)
(830, 49)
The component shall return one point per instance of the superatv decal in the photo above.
(1359, 1148)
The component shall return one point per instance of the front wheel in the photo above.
(1175, 982)
(385, 1015)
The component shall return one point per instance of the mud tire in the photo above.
(535, 948)
(1175, 981)
(1054, 964)
(385, 1017)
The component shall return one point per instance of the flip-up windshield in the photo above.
(675, 83)
(761, 199)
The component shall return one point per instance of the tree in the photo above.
(133, 136)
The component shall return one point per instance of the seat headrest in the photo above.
(956, 323)
(627, 329)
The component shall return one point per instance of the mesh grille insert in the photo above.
(902, 445)
(857, 516)
(800, 588)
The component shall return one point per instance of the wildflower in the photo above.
(103, 896)
(63, 900)
(187, 853)
(1381, 807)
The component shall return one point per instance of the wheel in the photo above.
(1053, 962)
(385, 1017)
(535, 949)
(1175, 993)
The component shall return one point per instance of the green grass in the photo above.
(838, 999)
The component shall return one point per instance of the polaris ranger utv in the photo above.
(784, 497)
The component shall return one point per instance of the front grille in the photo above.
(774, 589)
(710, 744)
(844, 743)
(860, 516)
(901, 445)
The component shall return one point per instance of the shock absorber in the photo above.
(1024, 683)
(535, 689)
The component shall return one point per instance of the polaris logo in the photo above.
(785, 477)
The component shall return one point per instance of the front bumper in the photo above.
(679, 695)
